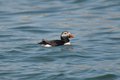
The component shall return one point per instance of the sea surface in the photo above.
(93, 55)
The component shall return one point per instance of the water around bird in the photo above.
(93, 55)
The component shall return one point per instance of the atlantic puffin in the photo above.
(64, 40)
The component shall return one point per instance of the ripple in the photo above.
(118, 18)
(6, 36)
(115, 38)
(31, 29)
(38, 31)
(13, 51)
(104, 77)
(45, 10)
(104, 32)
(23, 27)
(2, 57)
(104, 7)
(79, 1)
(40, 59)
(94, 54)
(3, 12)
(74, 56)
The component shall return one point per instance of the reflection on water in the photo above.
(93, 55)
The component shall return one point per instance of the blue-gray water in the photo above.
(93, 55)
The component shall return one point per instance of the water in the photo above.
(93, 55)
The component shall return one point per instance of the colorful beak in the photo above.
(71, 36)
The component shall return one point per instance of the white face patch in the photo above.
(65, 34)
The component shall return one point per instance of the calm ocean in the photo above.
(93, 55)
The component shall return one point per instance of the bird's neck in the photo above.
(65, 39)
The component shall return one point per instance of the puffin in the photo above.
(64, 40)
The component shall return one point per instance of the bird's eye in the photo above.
(65, 33)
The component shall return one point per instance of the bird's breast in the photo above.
(68, 43)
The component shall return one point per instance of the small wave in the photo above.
(31, 29)
(14, 51)
(79, 1)
(45, 10)
(2, 57)
(118, 18)
(3, 12)
(23, 27)
(39, 59)
(115, 38)
(104, 33)
(37, 31)
(4, 36)
(103, 77)
(104, 7)
(74, 56)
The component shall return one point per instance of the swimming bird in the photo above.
(65, 36)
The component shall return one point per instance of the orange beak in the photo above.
(71, 36)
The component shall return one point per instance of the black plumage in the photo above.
(64, 39)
